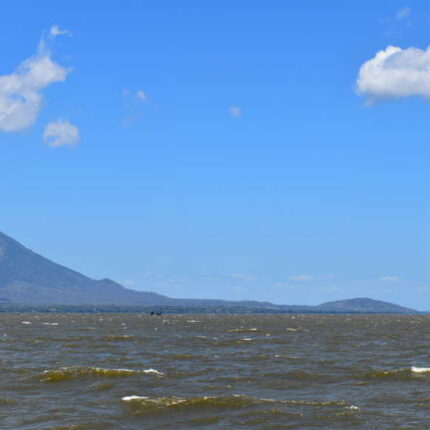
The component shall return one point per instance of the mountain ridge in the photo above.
(29, 278)
(364, 304)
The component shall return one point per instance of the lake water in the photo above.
(130, 371)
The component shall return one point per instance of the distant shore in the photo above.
(88, 309)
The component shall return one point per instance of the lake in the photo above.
(132, 371)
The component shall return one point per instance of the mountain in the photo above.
(26, 277)
(30, 279)
(364, 305)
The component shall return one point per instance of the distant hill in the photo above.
(27, 278)
(364, 305)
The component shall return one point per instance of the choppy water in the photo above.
(111, 371)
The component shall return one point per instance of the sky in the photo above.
(263, 150)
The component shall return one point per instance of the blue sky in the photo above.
(222, 149)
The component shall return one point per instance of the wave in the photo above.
(147, 405)
(8, 402)
(233, 341)
(118, 338)
(242, 330)
(302, 375)
(70, 373)
(404, 373)
(183, 356)
(320, 403)
(85, 426)
(143, 404)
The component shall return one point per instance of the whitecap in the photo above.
(242, 330)
(420, 369)
(130, 398)
(153, 371)
(26, 322)
(147, 371)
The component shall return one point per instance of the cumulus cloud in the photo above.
(395, 73)
(301, 278)
(235, 111)
(61, 133)
(20, 91)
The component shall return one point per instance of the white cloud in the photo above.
(243, 276)
(301, 278)
(61, 133)
(395, 73)
(57, 31)
(403, 13)
(141, 95)
(390, 278)
(135, 103)
(235, 111)
(20, 92)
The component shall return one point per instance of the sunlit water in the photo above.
(121, 371)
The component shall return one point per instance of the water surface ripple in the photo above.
(131, 371)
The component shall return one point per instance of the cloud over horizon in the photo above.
(20, 92)
(243, 276)
(390, 278)
(395, 73)
(301, 278)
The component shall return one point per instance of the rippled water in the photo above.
(121, 371)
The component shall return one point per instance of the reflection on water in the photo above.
(121, 371)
